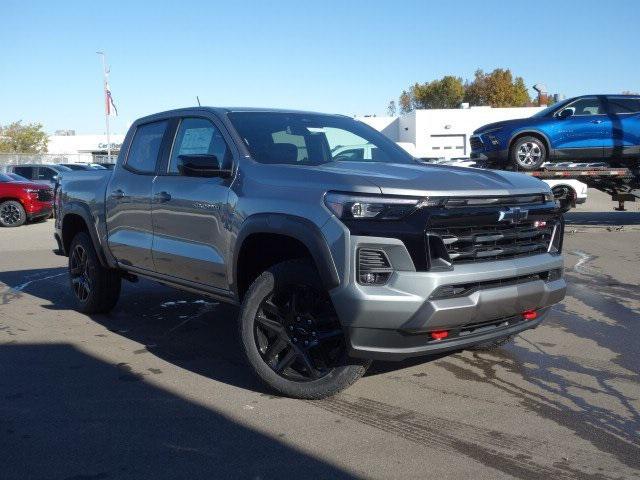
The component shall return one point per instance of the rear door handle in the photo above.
(596, 121)
(163, 196)
(117, 194)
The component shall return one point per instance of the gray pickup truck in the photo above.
(334, 260)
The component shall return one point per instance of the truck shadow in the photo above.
(66, 414)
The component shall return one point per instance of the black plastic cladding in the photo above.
(426, 249)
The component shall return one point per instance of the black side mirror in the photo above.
(566, 113)
(201, 166)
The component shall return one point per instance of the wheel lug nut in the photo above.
(308, 322)
(290, 327)
(306, 343)
(295, 339)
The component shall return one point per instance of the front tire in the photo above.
(96, 288)
(291, 336)
(12, 214)
(528, 153)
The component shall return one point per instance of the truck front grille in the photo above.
(465, 244)
(476, 143)
(45, 195)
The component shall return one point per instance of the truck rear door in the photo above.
(128, 198)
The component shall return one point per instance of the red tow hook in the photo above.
(529, 314)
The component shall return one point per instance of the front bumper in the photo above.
(393, 321)
(39, 212)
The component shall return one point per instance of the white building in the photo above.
(83, 148)
(442, 133)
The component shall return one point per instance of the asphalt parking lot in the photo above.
(157, 388)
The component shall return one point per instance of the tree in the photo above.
(497, 89)
(629, 92)
(406, 104)
(19, 138)
(391, 108)
(447, 92)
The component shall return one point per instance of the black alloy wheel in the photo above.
(12, 214)
(80, 273)
(298, 335)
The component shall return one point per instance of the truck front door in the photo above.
(128, 198)
(190, 236)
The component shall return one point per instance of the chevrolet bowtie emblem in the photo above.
(513, 215)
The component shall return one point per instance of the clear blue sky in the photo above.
(348, 57)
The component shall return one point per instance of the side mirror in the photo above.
(55, 178)
(200, 166)
(566, 113)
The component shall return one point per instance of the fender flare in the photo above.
(83, 212)
(292, 226)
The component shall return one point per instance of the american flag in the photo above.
(109, 101)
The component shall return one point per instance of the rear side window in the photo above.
(623, 105)
(145, 147)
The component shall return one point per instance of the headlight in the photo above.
(374, 207)
(549, 197)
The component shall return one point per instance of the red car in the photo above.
(22, 201)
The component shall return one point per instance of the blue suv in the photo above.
(586, 128)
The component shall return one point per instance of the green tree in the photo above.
(447, 92)
(497, 89)
(406, 104)
(19, 138)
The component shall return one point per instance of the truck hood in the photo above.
(437, 180)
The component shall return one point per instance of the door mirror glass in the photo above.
(199, 165)
(566, 113)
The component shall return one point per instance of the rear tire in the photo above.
(528, 153)
(96, 288)
(291, 336)
(12, 214)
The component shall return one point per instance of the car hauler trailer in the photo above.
(623, 184)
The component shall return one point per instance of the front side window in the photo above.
(311, 139)
(197, 136)
(585, 106)
(46, 173)
(145, 147)
(623, 105)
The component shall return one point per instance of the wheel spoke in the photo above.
(286, 360)
(274, 349)
(272, 309)
(303, 355)
(271, 325)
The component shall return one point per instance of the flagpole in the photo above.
(105, 74)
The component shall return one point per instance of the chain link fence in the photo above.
(23, 158)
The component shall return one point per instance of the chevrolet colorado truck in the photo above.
(334, 261)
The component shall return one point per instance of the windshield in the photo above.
(552, 108)
(311, 139)
(5, 178)
(61, 168)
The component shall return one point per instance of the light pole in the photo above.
(105, 75)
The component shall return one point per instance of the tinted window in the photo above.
(5, 178)
(26, 172)
(585, 106)
(46, 173)
(308, 139)
(145, 147)
(197, 136)
(623, 105)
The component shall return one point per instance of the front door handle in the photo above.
(596, 121)
(117, 194)
(163, 196)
